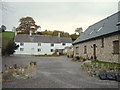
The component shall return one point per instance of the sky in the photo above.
(63, 16)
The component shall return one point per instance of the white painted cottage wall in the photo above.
(32, 48)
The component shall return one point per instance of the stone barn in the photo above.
(100, 41)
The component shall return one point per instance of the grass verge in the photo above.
(107, 64)
(7, 35)
(47, 55)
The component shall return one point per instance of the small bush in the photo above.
(77, 58)
(9, 47)
(84, 59)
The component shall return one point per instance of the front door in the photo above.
(94, 52)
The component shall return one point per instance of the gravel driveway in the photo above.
(55, 72)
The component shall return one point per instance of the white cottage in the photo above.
(40, 44)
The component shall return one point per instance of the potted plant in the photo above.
(84, 59)
(81, 60)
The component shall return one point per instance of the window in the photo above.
(52, 50)
(39, 44)
(21, 49)
(116, 47)
(118, 24)
(21, 44)
(91, 32)
(99, 29)
(52, 44)
(39, 49)
(102, 41)
(77, 50)
(63, 44)
(85, 49)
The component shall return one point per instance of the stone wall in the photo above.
(103, 53)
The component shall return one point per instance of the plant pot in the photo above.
(81, 60)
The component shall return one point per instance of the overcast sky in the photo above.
(63, 16)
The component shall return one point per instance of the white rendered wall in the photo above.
(32, 48)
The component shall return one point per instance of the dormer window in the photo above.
(91, 32)
(118, 24)
(99, 29)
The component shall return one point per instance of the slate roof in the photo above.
(42, 39)
(103, 27)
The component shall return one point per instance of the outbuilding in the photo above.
(100, 41)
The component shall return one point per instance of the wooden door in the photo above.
(94, 52)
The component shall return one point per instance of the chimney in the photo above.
(14, 30)
(30, 33)
(59, 34)
(15, 33)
